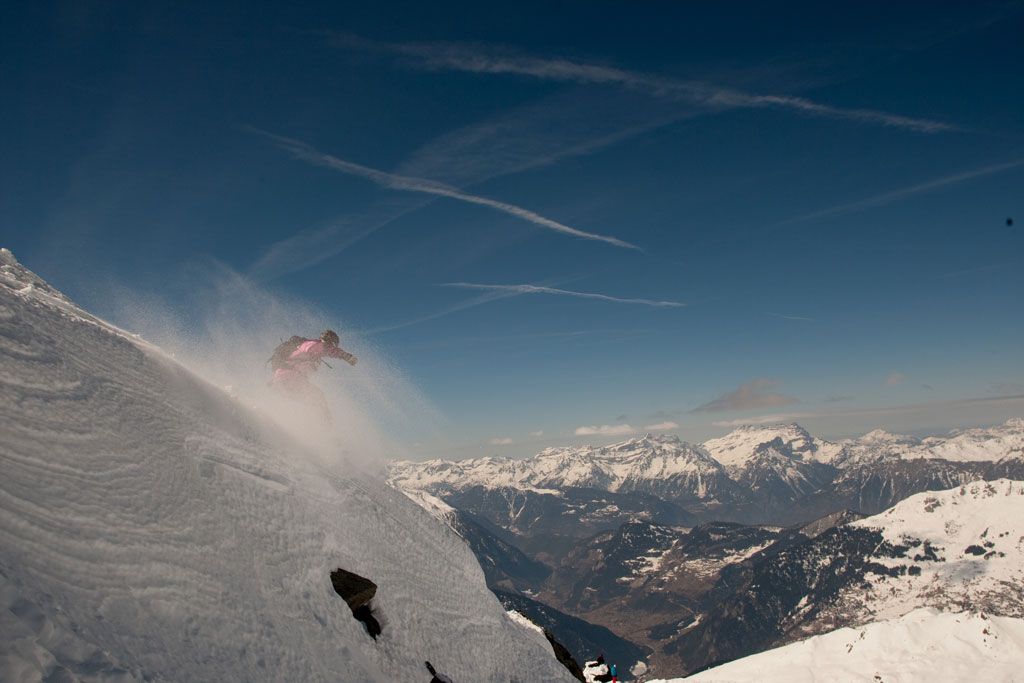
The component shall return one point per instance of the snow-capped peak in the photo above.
(882, 436)
(737, 447)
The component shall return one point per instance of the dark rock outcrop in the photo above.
(564, 656)
(357, 592)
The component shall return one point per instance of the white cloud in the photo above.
(605, 430)
(535, 289)
(895, 378)
(500, 441)
(662, 426)
(305, 152)
(539, 432)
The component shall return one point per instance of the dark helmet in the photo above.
(329, 337)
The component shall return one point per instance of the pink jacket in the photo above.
(305, 360)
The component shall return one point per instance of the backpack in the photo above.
(279, 359)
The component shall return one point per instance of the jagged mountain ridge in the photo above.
(756, 474)
(655, 464)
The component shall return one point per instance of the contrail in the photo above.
(896, 195)
(534, 289)
(460, 58)
(301, 150)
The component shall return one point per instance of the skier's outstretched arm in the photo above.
(338, 352)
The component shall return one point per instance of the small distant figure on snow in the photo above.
(596, 671)
(437, 678)
(295, 360)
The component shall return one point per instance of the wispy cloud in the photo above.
(314, 245)
(903, 193)
(762, 419)
(895, 379)
(484, 298)
(1008, 402)
(749, 396)
(477, 59)
(1004, 388)
(789, 316)
(501, 441)
(605, 430)
(539, 133)
(305, 152)
(662, 426)
(838, 398)
(539, 432)
(535, 289)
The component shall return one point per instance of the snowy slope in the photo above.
(924, 645)
(151, 527)
(966, 545)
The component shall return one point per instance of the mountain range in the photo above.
(755, 543)
(764, 474)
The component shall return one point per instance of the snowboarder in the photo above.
(596, 671)
(437, 678)
(298, 358)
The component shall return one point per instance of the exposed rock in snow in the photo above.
(152, 528)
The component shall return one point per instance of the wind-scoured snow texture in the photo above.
(152, 528)
(962, 549)
(924, 645)
(653, 464)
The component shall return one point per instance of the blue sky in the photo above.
(562, 222)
